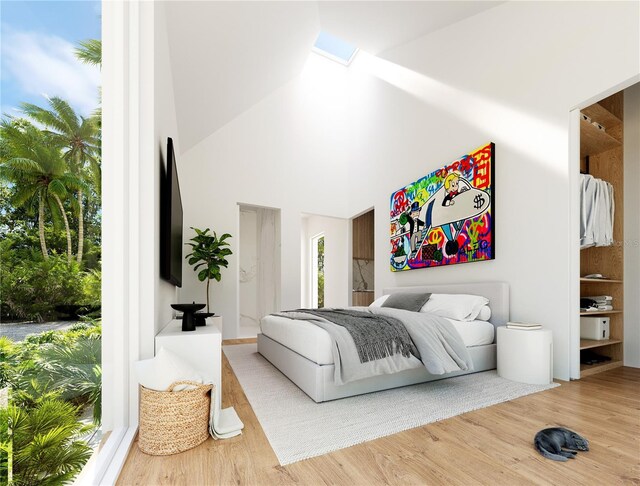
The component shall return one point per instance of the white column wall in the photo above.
(135, 91)
(165, 125)
(138, 114)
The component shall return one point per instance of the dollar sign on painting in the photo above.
(479, 201)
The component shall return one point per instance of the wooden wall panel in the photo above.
(363, 236)
(363, 298)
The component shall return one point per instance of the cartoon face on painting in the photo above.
(446, 217)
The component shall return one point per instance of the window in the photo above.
(51, 241)
(334, 48)
(317, 271)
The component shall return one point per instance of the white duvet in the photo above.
(314, 343)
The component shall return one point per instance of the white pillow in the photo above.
(379, 301)
(484, 314)
(160, 372)
(461, 307)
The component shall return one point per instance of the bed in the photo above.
(311, 367)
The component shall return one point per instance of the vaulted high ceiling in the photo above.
(227, 56)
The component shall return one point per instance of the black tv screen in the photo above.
(171, 221)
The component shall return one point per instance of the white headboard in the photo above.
(496, 292)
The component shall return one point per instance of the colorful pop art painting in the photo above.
(447, 216)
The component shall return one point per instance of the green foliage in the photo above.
(321, 272)
(66, 363)
(53, 377)
(208, 251)
(91, 288)
(35, 289)
(90, 52)
(208, 255)
(8, 354)
(5, 442)
(75, 369)
(46, 442)
(37, 169)
(50, 165)
(77, 137)
(49, 186)
(320, 290)
(32, 289)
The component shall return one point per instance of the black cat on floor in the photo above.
(551, 442)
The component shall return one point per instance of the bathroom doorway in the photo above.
(259, 273)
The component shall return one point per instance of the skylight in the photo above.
(334, 48)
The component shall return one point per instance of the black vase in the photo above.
(188, 311)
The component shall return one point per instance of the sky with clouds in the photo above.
(38, 39)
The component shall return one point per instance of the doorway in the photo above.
(324, 261)
(363, 252)
(259, 262)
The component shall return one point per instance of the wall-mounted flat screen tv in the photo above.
(171, 221)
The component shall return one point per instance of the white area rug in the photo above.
(299, 428)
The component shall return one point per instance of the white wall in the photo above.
(632, 226)
(165, 126)
(337, 141)
(494, 77)
(288, 152)
(336, 259)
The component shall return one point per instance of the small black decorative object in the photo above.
(201, 317)
(188, 311)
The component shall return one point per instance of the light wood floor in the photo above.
(489, 446)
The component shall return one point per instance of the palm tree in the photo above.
(81, 138)
(75, 368)
(90, 52)
(47, 442)
(39, 171)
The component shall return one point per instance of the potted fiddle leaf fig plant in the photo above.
(207, 255)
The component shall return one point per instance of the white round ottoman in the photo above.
(525, 356)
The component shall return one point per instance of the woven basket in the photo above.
(172, 422)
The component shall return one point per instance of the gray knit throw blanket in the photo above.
(374, 336)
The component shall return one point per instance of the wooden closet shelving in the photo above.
(603, 150)
(602, 115)
(594, 140)
(587, 370)
(592, 343)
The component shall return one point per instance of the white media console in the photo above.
(201, 348)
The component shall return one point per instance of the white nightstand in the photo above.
(201, 348)
(525, 356)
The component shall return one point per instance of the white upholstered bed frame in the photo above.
(317, 380)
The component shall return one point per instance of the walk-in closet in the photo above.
(602, 234)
